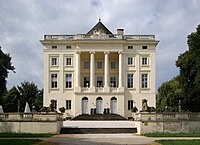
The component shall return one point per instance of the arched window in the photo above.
(84, 98)
(99, 98)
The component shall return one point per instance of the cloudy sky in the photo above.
(24, 22)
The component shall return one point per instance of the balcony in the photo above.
(99, 90)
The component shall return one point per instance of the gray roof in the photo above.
(101, 26)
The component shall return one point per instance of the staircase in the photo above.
(98, 126)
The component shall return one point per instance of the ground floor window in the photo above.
(68, 105)
(130, 104)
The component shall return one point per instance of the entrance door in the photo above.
(113, 105)
(99, 105)
(85, 105)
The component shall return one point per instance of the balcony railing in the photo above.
(91, 37)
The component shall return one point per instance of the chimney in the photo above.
(120, 31)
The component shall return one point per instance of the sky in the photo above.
(24, 22)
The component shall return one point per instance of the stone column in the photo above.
(120, 87)
(92, 69)
(106, 69)
(77, 75)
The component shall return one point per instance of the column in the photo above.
(120, 87)
(77, 75)
(92, 69)
(106, 69)
(77, 69)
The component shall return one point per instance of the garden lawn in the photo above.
(172, 135)
(179, 142)
(24, 135)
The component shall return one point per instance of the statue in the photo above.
(146, 108)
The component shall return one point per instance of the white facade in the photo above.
(99, 71)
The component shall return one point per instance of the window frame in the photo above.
(54, 81)
(112, 64)
(68, 105)
(130, 80)
(145, 81)
(68, 61)
(130, 61)
(130, 46)
(99, 64)
(130, 104)
(54, 61)
(68, 47)
(86, 66)
(113, 81)
(68, 83)
(54, 47)
(145, 61)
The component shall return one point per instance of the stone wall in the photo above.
(31, 122)
(167, 122)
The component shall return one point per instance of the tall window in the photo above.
(68, 61)
(129, 80)
(68, 104)
(54, 80)
(99, 82)
(86, 82)
(99, 64)
(130, 104)
(54, 47)
(54, 61)
(112, 65)
(68, 80)
(55, 104)
(144, 61)
(144, 80)
(112, 81)
(130, 60)
(86, 64)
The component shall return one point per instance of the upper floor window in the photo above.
(68, 61)
(130, 60)
(54, 61)
(54, 80)
(54, 103)
(54, 47)
(144, 47)
(130, 47)
(112, 81)
(144, 61)
(86, 64)
(99, 64)
(99, 82)
(68, 80)
(86, 82)
(112, 65)
(68, 47)
(68, 104)
(129, 80)
(144, 80)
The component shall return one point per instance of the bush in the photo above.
(62, 109)
(134, 109)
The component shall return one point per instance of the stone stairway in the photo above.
(102, 117)
(97, 126)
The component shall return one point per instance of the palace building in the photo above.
(99, 72)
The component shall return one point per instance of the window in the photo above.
(144, 80)
(99, 82)
(86, 82)
(129, 80)
(68, 61)
(112, 65)
(54, 47)
(68, 80)
(68, 104)
(68, 47)
(54, 80)
(144, 61)
(130, 61)
(144, 47)
(99, 64)
(53, 61)
(112, 81)
(54, 104)
(130, 104)
(86, 64)
(130, 47)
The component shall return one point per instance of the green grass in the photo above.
(18, 141)
(11, 135)
(179, 142)
(172, 135)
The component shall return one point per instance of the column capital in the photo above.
(78, 52)
(120, 52)
(106, 52)
(92, 52)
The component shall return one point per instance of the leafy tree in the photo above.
(169, 94)
(189, 64)
(5, 66)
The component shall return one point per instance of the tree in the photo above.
(189, 64)
(169, 94)
(26, 92)
(5, 66)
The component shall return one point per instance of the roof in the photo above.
(99, 26)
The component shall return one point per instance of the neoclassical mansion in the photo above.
(99, 72)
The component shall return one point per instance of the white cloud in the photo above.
(23, 23)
